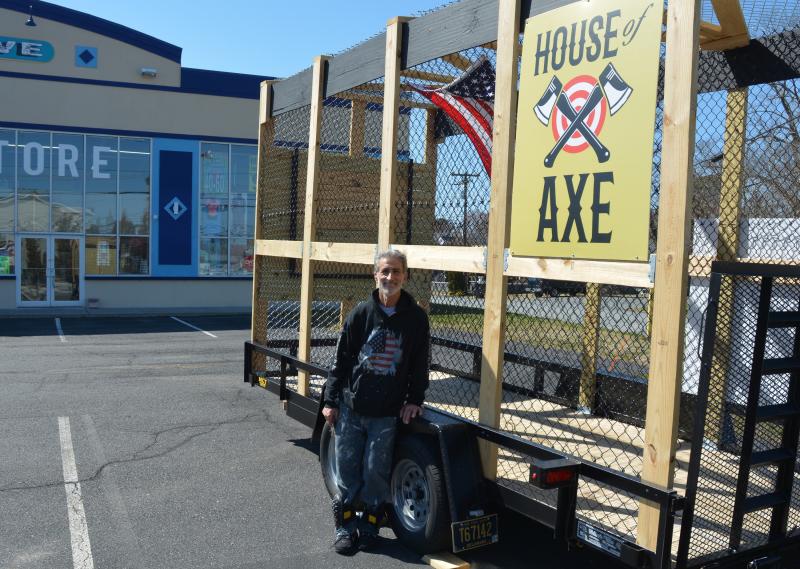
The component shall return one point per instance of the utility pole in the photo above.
(465, 176)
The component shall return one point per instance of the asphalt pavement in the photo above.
(133, 443)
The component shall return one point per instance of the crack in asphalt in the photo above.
(139, 455)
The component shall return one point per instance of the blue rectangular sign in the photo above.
(175, 204)
(25, 49)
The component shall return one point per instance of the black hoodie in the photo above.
(381, 361)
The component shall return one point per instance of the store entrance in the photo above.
(49, 270)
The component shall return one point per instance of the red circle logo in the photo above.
(578, 91)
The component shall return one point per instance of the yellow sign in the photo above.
(585, 125)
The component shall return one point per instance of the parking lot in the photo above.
(134, 443)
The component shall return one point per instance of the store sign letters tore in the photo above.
(25, 49)
(582, 175)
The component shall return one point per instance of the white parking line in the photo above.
(78, 529)
(193, 326)
(60, 331)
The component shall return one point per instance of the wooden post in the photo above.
(591, 334)
(503, 137)
(266, 133)
(309, 221)
(672, 257)
(727, 250)
(358, 112)
(391, 122)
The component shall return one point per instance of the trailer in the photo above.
(653, 413)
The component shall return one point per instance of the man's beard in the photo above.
(388, 289)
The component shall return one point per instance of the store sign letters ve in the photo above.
(25, 49)
(584, 148)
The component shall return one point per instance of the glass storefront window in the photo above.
(134, 186)
(214, 173)
(101, 185)
(213, 257)
(68, 174)
(134, 253)
(8, 183)
(101, 255)
(33, 181)
(6, 254)
(242, 256)
(244, 167)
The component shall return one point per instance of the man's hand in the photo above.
(409, 411)
(330, 414)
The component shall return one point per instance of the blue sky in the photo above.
(266, 37)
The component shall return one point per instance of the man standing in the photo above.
(380, 374)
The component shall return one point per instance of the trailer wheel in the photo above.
(418, 511)
(327, 459)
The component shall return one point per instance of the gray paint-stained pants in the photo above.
(364, 449)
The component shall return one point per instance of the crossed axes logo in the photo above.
(578, 110)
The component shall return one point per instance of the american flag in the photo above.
(384, 346)
(469, 102)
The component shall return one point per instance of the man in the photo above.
(380, 374)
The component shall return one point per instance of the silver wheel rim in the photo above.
(410, 495)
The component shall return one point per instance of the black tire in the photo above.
(418, 510)
(327, 459)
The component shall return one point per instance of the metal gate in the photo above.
(743, 485)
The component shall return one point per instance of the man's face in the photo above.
(390, 277)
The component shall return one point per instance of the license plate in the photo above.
(475, 532)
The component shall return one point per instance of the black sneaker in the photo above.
(345, 544)
(368, 527)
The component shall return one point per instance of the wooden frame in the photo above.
(408, 42)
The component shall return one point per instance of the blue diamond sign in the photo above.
(175, 208)
(85, 56)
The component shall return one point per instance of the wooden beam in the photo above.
(591, 335)
(672, 257)
(604, 272)
(391, 122)
(458, 60)
(711, 31)
(730, 16)
(733, 155)
(358, 112)
(427, 76)
(359, 253)
(279, 248)
(266, 134)
(726, 43)
(309, 220)
(436, 258)
(356, 96)
(733, 30)
(503, 138)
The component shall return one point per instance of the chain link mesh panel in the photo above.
(443, 187)
(456, 320)
(282, 182)
(349, 185)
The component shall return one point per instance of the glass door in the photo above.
(66, 273)
(50, 270)
(32, 273)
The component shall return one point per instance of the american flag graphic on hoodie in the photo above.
(382, 351)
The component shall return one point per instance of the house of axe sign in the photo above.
(583, 159)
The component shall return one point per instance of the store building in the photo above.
(127, 182)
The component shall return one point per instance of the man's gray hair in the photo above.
(392, 254)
